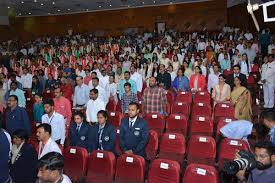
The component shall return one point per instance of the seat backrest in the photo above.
(222, 121)
(152, 145)
(185, 97)
(203, 97)
(224, 110)
(111, 105)
(100, 167)
(118, 150)
(75, 161)
(164, 171)
(228, 149)
(181, 108)
(201, 125)
(196, 173)
(201, 108)
(155, 122)
(201, 149)
(170, 97)
(176, 123)
(114, 118)
(172, 146)
(130, 168)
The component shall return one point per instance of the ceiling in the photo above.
(22, 8)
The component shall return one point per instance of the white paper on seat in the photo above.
(228, 120)
(154, 116)
(179, 103)
(164, 166)
(200, 104)
(224, 105)
(28, 99)
(112, 114)
(201, 93)
(129, 159)
(202, 139)
(72, 151)
(99, 155)
(201, 118)
(183, 93)
(201, 171)
(234, 142)
(177, 117)
(117, 131)
(171, 136)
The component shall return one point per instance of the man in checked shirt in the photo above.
(154, 98)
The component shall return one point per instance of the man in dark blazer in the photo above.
(230, 78)
(103, 135)
(79, 132)
(24, 158)
(134, 132)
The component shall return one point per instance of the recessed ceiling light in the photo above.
(154, 1)
(53, 2)
(35, 1)
(9, 7)
(87, 9)
(110, 5)
(58, 10)
(49, 13)
(69, 9)
(143, 2)
(99, 6)
(171, 2)
(128, 6)
(19, 14)
(42, 4)
(22, 2)
(30, 13)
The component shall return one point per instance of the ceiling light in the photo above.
(128, 6)
(99, 6)
(58, 10)
(42, 4)
(171, 2)
(49, 13)
(22, 2)
(154, 1)
(30, 13)
(143, 2)
(110, 5)
(87, 9)
(19, 14)
(9, 7)
(53, 2)
(69, 9)
(35, 1)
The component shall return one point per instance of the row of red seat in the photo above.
(101, 166)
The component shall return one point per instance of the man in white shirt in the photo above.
(135, 76)
(94, 83)
(50, 169)
(81, 93)
(56, 121)
(268, 80)
(248, 36)
(94, 105)
(201, 45)
(26, 79)
(240, 47)
(104, 79)
(213, 78)
(46, 144)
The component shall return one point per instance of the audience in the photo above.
(181, 82)
(38, 109)
(127, 98)
(5, 150)
(221, 92)
(81, 93)
(197, 81)
(231, 77)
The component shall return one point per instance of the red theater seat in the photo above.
(172, 147)
(152, 145)
(164, 171)
(201, 109)
(222, 121)
(101, 167)
(185, 97)
(130, 168)
(224, 110)
(228, 149)
(111, 105)
(201, 149)
(155, 122)
(114, 118)
(181, 108)
(198, 173)
(176, 123)
(203, 97)
(201, 125)
(75, 161)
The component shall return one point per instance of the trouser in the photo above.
(268, 95)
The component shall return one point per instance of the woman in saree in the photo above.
(241, 99)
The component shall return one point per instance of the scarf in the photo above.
(16, 153)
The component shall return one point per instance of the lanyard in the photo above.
(50, 122)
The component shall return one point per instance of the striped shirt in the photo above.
(127, 99)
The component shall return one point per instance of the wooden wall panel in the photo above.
(212, 14)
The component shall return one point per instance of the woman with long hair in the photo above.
(197, 80)
(155, 70)
(241, 99)
(181, 82)
(221, 92)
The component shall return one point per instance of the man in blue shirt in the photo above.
(16, 117)
(134, 132)
(127, 80)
